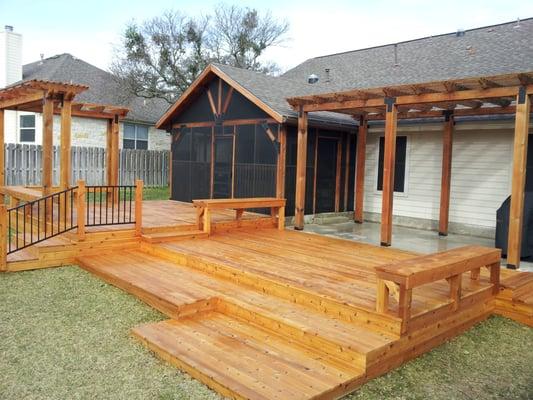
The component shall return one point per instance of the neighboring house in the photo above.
(222, 147)
(137, 130)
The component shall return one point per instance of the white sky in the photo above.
(88, 30)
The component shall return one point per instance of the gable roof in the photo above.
(492, 50)
(104, 88)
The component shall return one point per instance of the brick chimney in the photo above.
(10, 56)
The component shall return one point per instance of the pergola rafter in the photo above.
(486, 95)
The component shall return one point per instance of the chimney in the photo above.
(10, 56)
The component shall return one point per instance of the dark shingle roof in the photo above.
(499, 49)
(493, 50)
(103, 86)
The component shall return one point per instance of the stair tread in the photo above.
(246, 360)
(171, 282)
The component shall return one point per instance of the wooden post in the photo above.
(389, 161)
(80, 209)
(281, 218)
(514, 242)
(109, 151)
(48, 132)
(301, 165)
(115, 154)
(139, 184)
(360, 161)
(66, 123)
(4, 237)
(282, 157)
(447, 144)
(495, 277)
(455, 290)
(382, 297)
(2, 155)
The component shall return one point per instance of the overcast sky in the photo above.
(89, 29)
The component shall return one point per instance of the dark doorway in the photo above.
(326, 174)
(223, 167)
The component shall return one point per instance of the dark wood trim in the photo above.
(315, 170)
(227, 101)
(346, 170)
(224, 123)
(360, 160)
(212, 103)
(219, 99)
(338, 172)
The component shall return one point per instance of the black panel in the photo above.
(351, 176)
(529, 171)
(399, 168)
(223, 168)
(325, 176)
(242, 108)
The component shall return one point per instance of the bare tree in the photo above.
(161, 57)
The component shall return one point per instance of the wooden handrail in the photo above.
(400, 278)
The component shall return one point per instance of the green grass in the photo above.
(156, 193)
(65, 334)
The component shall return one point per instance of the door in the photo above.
(222, 174)
(326, 175)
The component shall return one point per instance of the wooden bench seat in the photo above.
(400, 278)
(205, 206)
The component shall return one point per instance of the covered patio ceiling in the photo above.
(470, 96)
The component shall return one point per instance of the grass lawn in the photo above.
(65, 334)
(156, 193)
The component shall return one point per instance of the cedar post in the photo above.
(301, 165)
(66, 123)
(282, 157)
(3, 237)
(447, 145)
(514, 242)
(2, 155)
(115, 154)
(48, 128)
(389, 160)
(109, 151)
(80, 212)
(139, 184)
(360, 160)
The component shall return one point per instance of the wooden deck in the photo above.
(261, 313)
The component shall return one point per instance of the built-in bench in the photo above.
(204, 208)
(400, 278)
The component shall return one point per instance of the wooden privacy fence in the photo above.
(23, 165)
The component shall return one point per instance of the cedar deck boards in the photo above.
(269, 314)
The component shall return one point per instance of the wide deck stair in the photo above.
(249, 334)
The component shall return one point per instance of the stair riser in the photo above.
(173, 238)
(344, 357)
(376, 322)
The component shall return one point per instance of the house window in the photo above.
(399, 167)
(135, 137)
(27, 128)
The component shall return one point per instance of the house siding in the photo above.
(89, 132)
(481, 171)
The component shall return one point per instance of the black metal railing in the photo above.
(40, 219)
(110, 205)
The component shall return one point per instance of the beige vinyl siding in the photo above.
(481, 168)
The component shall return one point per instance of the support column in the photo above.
(301, 165)
(112, 151)
(109, 151)
(282, 157)
(2, 155)
(65, 162)
(48, 131)
(447, 144)
(360, 161)
(389, 160)
(514, 242)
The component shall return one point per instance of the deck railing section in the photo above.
(78, 207)
(398, 280)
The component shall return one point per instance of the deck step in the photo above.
(243, 361)
(171, 236)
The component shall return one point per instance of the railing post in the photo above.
(80, 213)
(4, 237)
(138, 206)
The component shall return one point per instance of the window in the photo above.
(399, 167)
(27, 128)
(135, 137)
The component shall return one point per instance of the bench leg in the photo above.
(382, 297)
(281, 218)
(404, 306)
(238, 215)
(207, 221)
(495, 277)
(199, 217)
(455, 290)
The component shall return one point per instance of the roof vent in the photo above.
(517, 23)
(8, 28)
(327, 75)
(42, 59)
(460, 33)
(396, 64)
(312, 79)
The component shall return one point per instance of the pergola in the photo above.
(501, 94)
(51, 98)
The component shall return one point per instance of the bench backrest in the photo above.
(255, 202)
